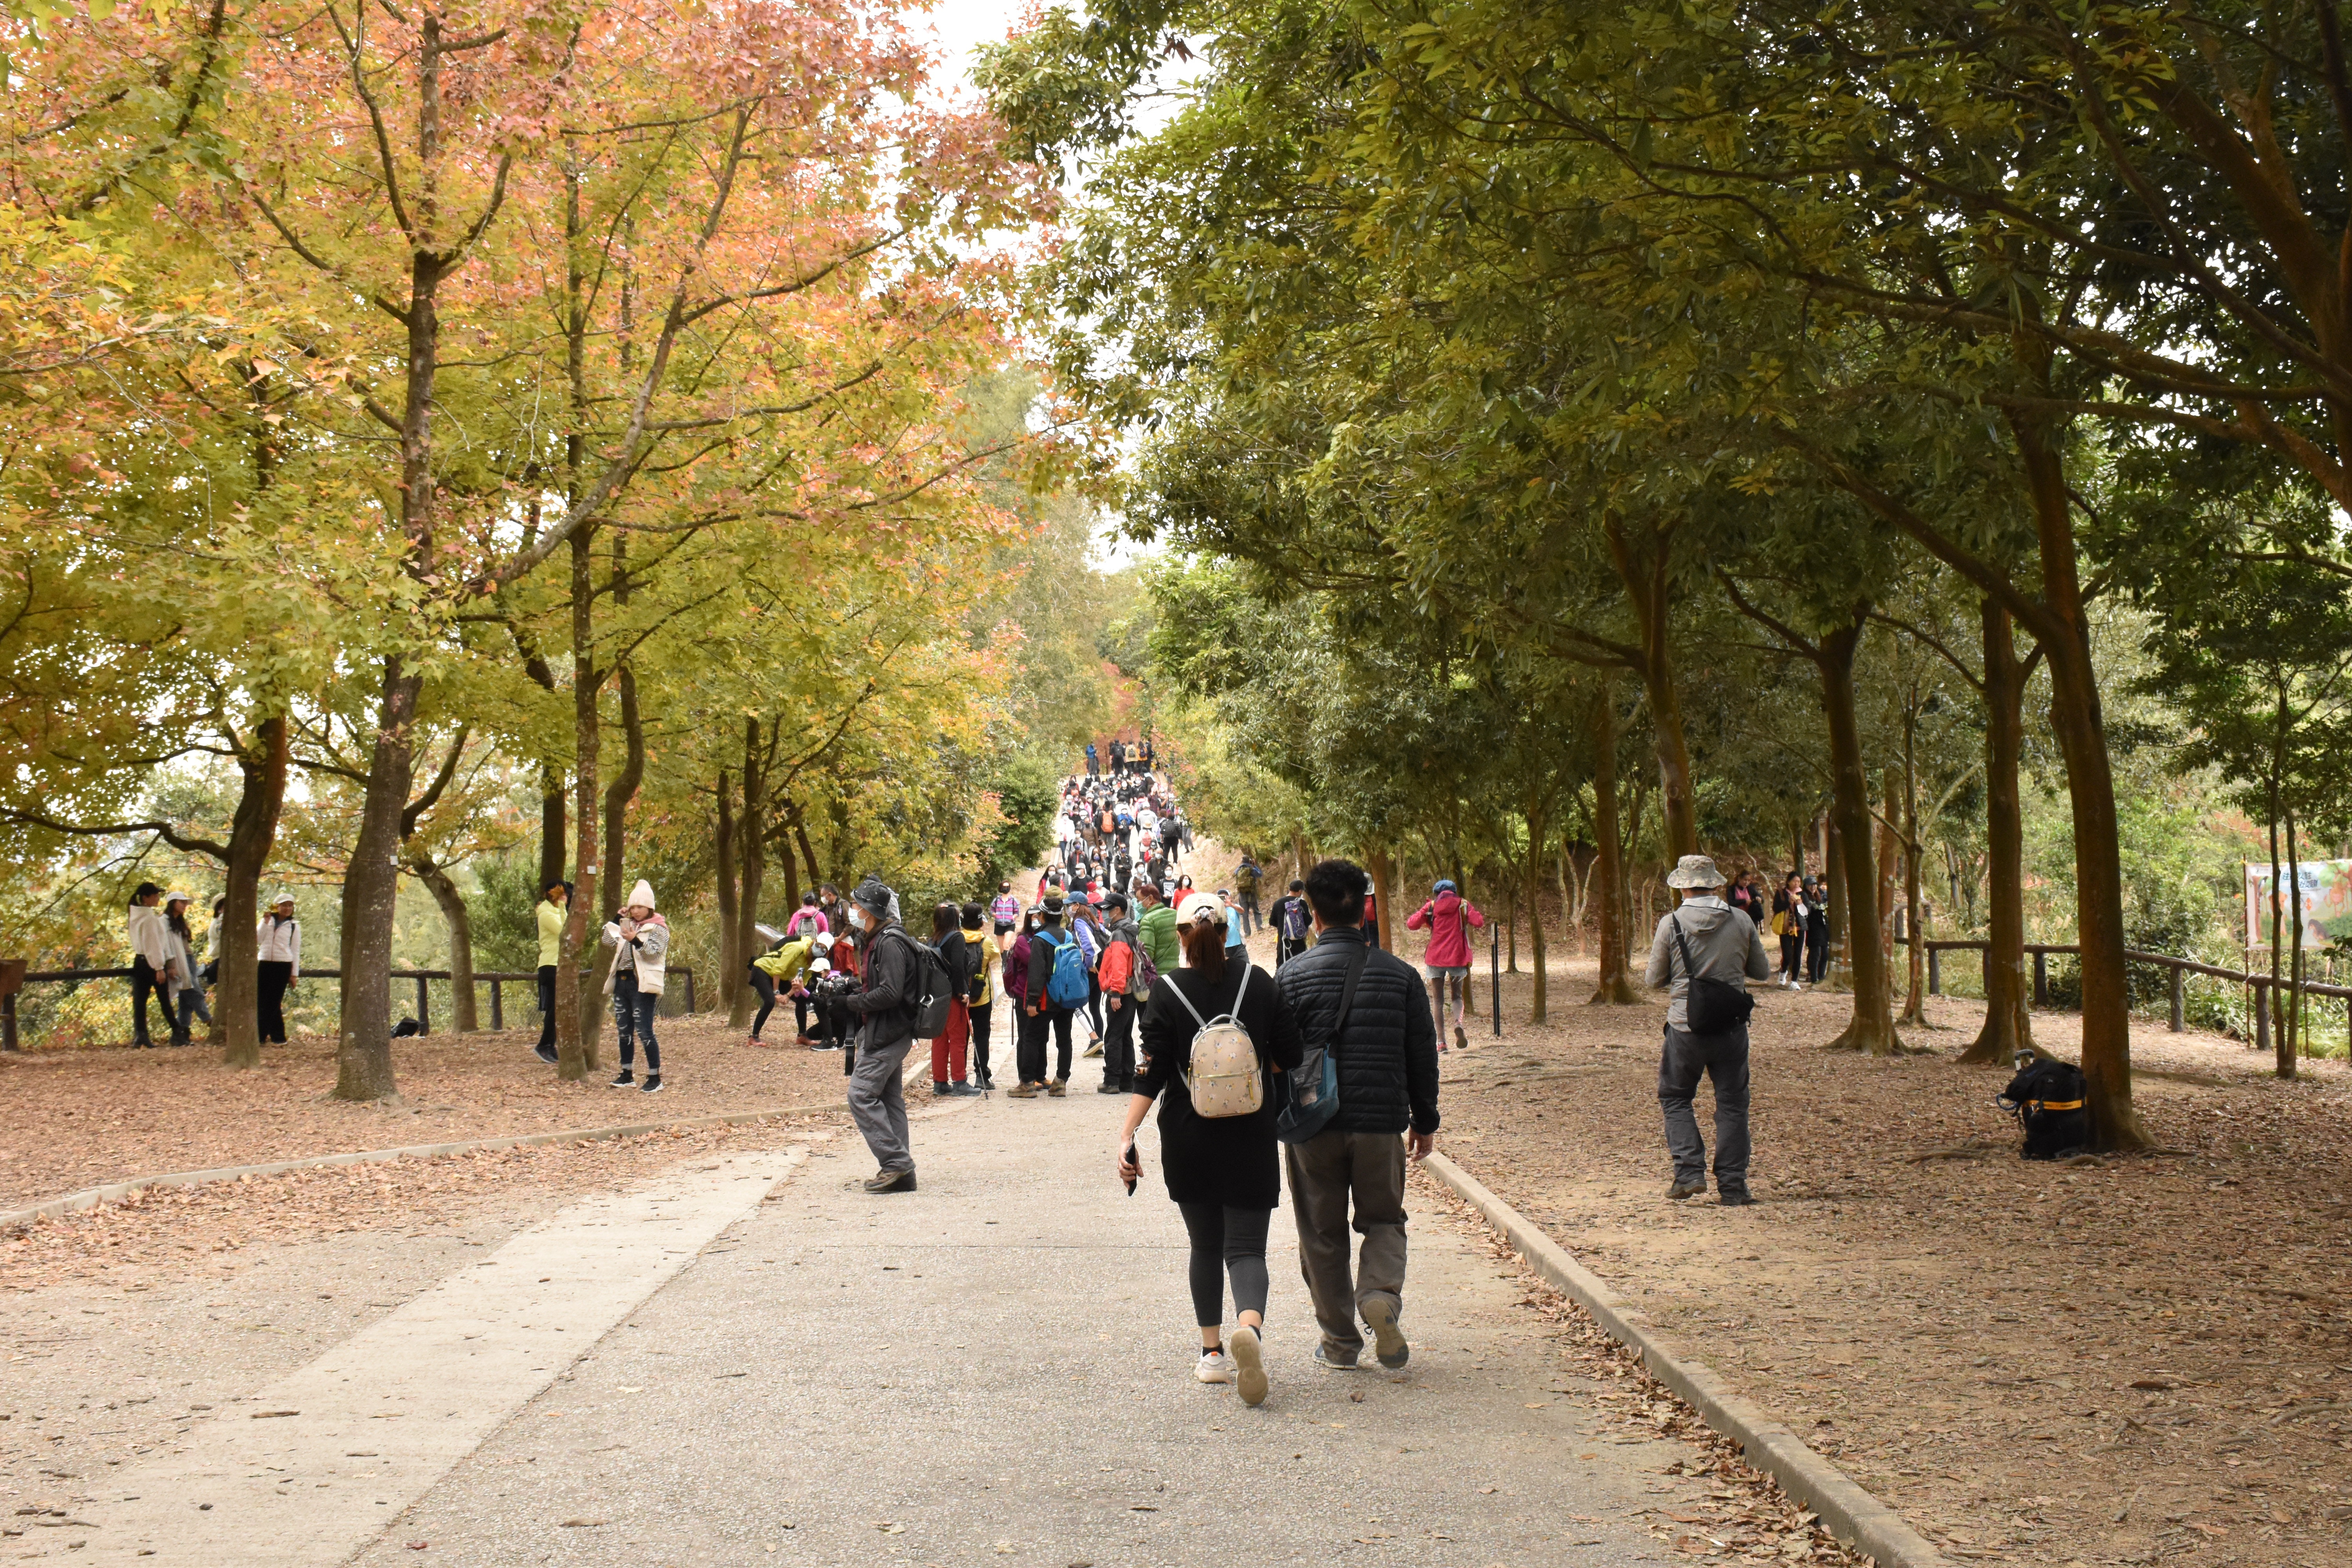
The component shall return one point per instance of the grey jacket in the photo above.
(1724, 944)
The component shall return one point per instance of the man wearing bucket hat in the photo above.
(877, 1094)
(1708, 941)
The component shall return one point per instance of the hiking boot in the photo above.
(1110, 1089)
(544, 1053)
(1214, 1366)
(1735, 1200)
(1058, 1088)
(1249, 1365)
(625, 1078)
(1026, 1090)
(1381, 1310)
(891, 1181)
(1461, 1041)
(652, 1084)
(1331, 1360)
(1682, 1189)
(985, 1082)
(960, 1091)
(938, 1089)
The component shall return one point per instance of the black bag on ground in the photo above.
(1712, 1007)
(2046, 1096)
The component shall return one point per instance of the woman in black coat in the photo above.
(1221, 1171)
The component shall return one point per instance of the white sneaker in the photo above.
(1215, 1367)
(1249, 1365)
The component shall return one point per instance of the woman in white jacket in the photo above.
(183, 987)
(640, 940)
(148, 962)
(280, 965)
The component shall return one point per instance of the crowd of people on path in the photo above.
(1321, 1074)
(167, 971)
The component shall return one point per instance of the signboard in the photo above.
(2326, 905)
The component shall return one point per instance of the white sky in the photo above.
(959, 25)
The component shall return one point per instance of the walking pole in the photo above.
(1495, 983)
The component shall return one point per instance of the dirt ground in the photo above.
(78, 1119)
(2138, 1361)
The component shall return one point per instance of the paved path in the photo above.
(996, 1369)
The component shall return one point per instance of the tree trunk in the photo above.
(2081, 728)
(576, 1031)
(550, 826)
(624, 788)
(1915, 915)
(1836, 975)
(1890, 864)
(2287, 1041)
(1538, 830)
(751, 866)
(252, 831)
(1616, 987)
(1871, 1028)
(463, 1018)
(371, 888)
(731, 952)
(1379, 863)
(1645, 568)
(2009, 1020)
(808, 852)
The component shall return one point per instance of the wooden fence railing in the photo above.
(2176, 968)
(14, 977)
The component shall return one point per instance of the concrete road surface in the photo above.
(996, 1369)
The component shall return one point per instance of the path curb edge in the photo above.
(1849, 1513)
(91, 1198)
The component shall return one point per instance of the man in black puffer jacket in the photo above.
(1387, 1055)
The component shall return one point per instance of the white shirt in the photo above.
(281, 942)
(147, 933)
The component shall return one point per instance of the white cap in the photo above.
(1200, 908)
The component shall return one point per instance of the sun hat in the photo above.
(872, 896)
(179, 896)
(1695, 871)
(1200, 908)
(285, 896)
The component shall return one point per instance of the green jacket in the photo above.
(1157, 931)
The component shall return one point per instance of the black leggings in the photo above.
(981, 1015)
(767, 990)
(1225, 1241)
(547, 1006)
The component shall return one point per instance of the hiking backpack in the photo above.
(1294, 920)
(1065, 983)
(2046, 1097)
(934, 987)
(1223, 1077)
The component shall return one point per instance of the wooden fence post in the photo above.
(2041, 978)
(1935, 971)
(423, 1007)
(497, 1012)
(2176, 987)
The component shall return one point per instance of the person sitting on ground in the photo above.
(1386, 1050)
(640, 943)
(1220, 1171)
(1710, 939)
(1447, 917)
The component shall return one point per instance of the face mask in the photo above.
(857, 917)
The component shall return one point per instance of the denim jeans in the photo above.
(1724, 1058)
(633, 1016)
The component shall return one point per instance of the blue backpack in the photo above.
(1067, 986)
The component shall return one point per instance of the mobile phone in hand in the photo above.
(1135, 1161)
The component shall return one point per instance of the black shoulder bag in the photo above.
(1713, 1006)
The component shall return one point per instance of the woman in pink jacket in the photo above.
(1447, 917)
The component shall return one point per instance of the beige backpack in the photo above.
(1224, 1079)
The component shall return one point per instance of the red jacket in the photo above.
(1447, 918)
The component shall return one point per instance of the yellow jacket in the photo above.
(990, 955)
(787, 965)
(551, 933)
